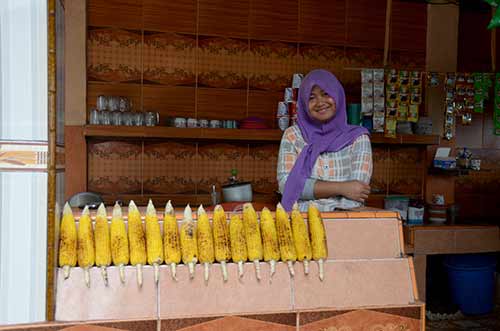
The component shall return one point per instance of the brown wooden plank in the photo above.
(274, 20)
(175, 16)
(221, 104)
(264, 104)
(333, 25)
(115, 13)
(408, 25)
(366, 23)
(169, 101)
(223, 18)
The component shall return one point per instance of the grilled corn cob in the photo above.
(222, 245)
(86, 251)
(67, 241)
(252, 236)
(318, 237)
(119, 241)
(269, 239)
(102, 242)
(205, 241)
(238, 242)
(171, 240)
(301, 238)
(136, 240)
(154, 244)
(285, 238)
(188, 241)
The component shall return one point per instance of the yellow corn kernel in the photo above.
(318, 237)
(119, 241)
(102, 242)
(189, 243)
(205, 241)
(222, 244)
(285, 238)
(154, 244)
(136, 240)
(252, 236)
(67, 241)
(301, 238)
(86, 251)
(238, 242)
(171, 240)
(269, 239)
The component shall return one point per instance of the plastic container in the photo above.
(471, 279)
(354, 114)
(416, 212)
(397, 203)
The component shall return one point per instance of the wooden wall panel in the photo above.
(131, 91)
(366, 23)
(174, 16)
(223, 18)
(221, 104)
(170, 101)
(263, 104)
(329, 15)
(115, 13)
(474, 42)
(408, 25)
(274, 20)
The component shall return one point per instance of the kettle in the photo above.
(236, 191)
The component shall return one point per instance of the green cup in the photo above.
(354, 114)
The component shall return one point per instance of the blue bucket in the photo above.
(472, 282)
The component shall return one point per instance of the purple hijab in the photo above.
(331, 136)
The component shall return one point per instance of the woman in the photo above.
(322, 158)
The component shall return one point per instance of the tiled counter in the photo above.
(368, 281)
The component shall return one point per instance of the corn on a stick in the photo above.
(205, 241)
(222, 245)
(301, 238)
(102, 242)
(189, 243)
(171, 240)
(119, 241)
(136, 240)
(238, 242)
(318, 238)
(269, 240)
(154, 244)
(86, 251)
(252, 236)
(285, 238)
(67, 241)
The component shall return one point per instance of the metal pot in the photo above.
(240, 191)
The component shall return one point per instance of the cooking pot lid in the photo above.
(236, 184)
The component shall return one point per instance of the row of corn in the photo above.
(243, 239)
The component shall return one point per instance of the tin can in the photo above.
(180, 122)
(283, 122)
(297, 80)
(203, 123)
(215, 124)
(289, 94)
(282, 109)
(192, 123)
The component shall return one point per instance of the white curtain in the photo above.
(23, 195)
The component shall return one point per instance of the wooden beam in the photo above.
(388, 13)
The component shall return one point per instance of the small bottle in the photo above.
(213, 196)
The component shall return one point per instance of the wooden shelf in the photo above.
(270, 135)
(448, 172)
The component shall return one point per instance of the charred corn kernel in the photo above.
(238, 242)
(222, 245)
(119, 241)
(154, 243)
(67, 241)
(252, 236)
(136, 240)
(301, 238)
(269, 239)
(205, 241)
(171, 240)
(318, 237)
(86, 251)
(188, 241)
(102, 242)
(285, 238)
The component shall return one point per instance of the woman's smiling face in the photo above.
(322, 107)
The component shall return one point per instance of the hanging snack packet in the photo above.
(390, 127)
(413, 113)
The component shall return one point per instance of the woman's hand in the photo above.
(355, 190)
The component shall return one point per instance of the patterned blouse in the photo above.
(353, 162)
